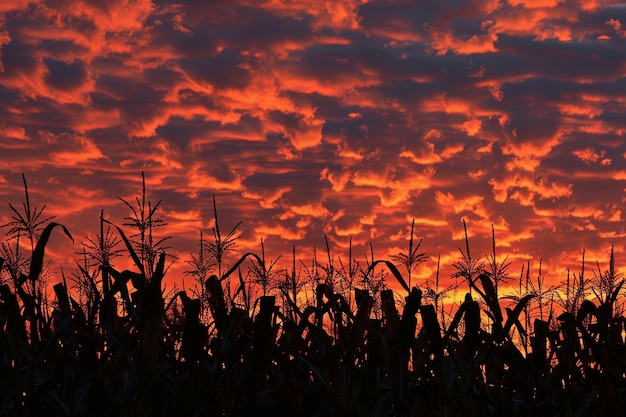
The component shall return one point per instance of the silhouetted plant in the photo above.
(373, 280)
(104, 248)
(145, 219)
(14, 261)
(28, 223)
(265, 274)
(201, 264)
(412, 258)
(543, 297)
(347, 274)
(467, 268)
(221, 245)
(608, 286)
(130, 347)
(291, 288)
(437, 295)
(498, 271)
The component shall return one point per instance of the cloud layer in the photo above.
(346, 119)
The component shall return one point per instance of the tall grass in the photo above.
(326, 339)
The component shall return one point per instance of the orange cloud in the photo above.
(619, 176)
(429, 222)
(472, 126)
(617, 27)
(279, 231)
(525, 187)
(200, 177)
(451, 150)
(338, 180)
(425, 157)
(336, 15)
(266, 198)
(581, 109)
(166, 154)
(428, 155)
(588, 155)
(527, 155)
(79, 151)
(314, 210)
(350, 230)
(368, 219)
(185, 216)
(84, 201)
(443, 41)
(538, 21)
(535, 4)
(13, 132)
(394, 191)
(114, 16)
(451, 204)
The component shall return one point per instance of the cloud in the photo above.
(589, 156)
(75, 151)
(13, 132)
(279, 231)
(340, 119)
(204, 177)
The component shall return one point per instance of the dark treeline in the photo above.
(329, 340)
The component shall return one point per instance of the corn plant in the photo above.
(145, 219)
(121, 344)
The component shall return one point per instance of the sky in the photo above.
(305, 119)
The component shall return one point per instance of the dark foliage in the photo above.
(127, 350)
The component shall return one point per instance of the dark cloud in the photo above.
(254, 29)
(221, 71)
(18, 60)
(65, 76)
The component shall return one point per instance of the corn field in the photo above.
(329, 339)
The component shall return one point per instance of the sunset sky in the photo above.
(310, 118)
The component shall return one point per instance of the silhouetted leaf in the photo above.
(394, 270)
(36, 263)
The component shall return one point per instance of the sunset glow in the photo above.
(308, 119)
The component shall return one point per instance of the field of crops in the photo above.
(328, 340)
